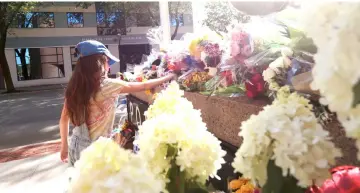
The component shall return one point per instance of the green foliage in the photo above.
(220, 14)
(177, 182)
(356, 90)
(11, 10)
(277, 183)
(179, 7)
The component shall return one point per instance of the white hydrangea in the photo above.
(172, 121)
(335, 30)
(200, 157)
(287, 132)
(105, 167)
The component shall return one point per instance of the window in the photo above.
(180, 18)
(35, 20)
(110, 23)
(73, 58)
(110, 19)
(75, 20)
(144, 20)
(39, 63)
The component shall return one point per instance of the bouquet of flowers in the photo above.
(176, 144)
(241, 44)
(105, 167)
(194, 81)
(284, 148)
(211, 54)
(125, 135)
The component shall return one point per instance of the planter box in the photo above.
(224, 115)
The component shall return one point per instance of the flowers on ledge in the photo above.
(288, 133)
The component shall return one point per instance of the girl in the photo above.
(90, 98)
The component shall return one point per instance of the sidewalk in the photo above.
(37, 88)
(40, 174)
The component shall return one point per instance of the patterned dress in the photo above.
(101, 118)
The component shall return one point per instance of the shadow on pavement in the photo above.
(29, 118)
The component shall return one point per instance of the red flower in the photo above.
(139, 79)
(345, 179)
(228, 77)
(153, 67)
(176, 66)
(257, 191)
(255, 86)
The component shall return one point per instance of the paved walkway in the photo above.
(30, 117)
(41, 174)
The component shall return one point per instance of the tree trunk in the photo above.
(173, 36)
(5, 69)
(24, 67)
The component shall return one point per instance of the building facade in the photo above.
(40, 46)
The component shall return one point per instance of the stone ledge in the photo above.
(223, 117)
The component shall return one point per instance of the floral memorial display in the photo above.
(302, 61)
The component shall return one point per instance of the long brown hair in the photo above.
(83, 85)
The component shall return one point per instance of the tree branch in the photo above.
(14, 13)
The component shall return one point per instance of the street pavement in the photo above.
(30, 117)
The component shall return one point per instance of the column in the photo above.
(198, 14)
(10, 57)
(67, 62)
(165, 20)
(114, 50)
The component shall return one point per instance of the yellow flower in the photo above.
(148, 92)
(246, 188)
(235, 184)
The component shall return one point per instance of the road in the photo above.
(29, 117)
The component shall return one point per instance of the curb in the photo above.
(29, 91)
(30, 145)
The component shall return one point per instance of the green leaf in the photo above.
(303, 44)
(177, 179)
(275, 179)
(171, 151)
(197, 190)
(290, 186)
(356, 90)
(195, 187)
(277, 183)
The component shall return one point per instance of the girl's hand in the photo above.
(123, 141)
(64, 153)
(172, 76)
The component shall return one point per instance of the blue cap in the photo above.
(91, 47)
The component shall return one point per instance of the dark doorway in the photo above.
(132, 54)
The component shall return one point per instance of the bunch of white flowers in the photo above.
(288, 133)
(174, 123)
(335, 30)
(105, 167)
